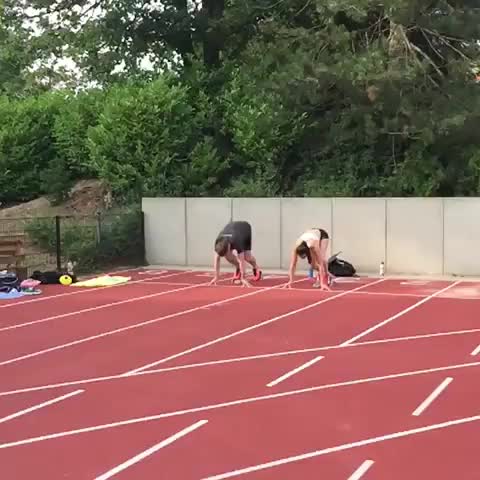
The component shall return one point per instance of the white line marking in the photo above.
(231, 360)
(415, 282)
(293, 372)
(151, 450)
(311, 290)
(99, 307)
(421, 408)
(361, 470)
(476, 351)
(39, 406)
(345, 446)
(248, 329)
(161, 370)
(136, 325)
(399, 314)
(153, 272)
(77, 292)
(232, 403)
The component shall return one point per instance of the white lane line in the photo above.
(98, 307)
(243, 401)
(231, 360)
(476, 351)
(423, 406)
(293, 372)
(310, 290)
(138, 458)
(248, 329)
(77, 292)
(39, 406)
(153, 272)
(136, 325)
(160, 370)
(345, 446)
(361, 470)
(399, 314)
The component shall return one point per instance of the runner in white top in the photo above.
(312, 244)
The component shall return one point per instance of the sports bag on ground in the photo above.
(340, 268)
(8, 282)
(50, 277)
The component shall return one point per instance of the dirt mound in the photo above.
(85, 198)
(88, 197)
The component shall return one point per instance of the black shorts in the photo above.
(323, 233)
(240, 235)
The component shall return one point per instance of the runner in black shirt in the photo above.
(234, 243)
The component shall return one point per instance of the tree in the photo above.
(299, 97)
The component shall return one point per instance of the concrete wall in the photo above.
(359, 231)
(165, 230)
(205, 217)
(427, 236)
(415, 235)
(264, 216)
(462, 236)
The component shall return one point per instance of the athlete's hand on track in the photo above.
(245, 283)
(324, 288)
(214, 281)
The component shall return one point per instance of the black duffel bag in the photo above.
(8, 282)
(340, 268)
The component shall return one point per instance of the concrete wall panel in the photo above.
(165, 230)
(359, 231)
(264, 216)
(205, 218)
(462, 236)
(415, 235)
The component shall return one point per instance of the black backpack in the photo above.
(340, 268)
(8, 282)
(50, 277)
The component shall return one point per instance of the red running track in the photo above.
(270, 416)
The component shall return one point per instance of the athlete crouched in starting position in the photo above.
(312, 244)
(234, 243)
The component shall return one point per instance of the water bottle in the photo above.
(382, 269)
(310, 273)
(70, 267)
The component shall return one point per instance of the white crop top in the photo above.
(309, 237)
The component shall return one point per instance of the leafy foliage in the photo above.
(27, 145)
(254, 98)
(149, 139)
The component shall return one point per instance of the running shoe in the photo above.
(257, 274)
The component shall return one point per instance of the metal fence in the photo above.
(91, 243)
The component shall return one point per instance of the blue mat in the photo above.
(13, 294)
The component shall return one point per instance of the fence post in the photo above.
(385, 260)
(443, 235)
(58, 241)
(185, 227)
(142, 232)
(99, 226)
